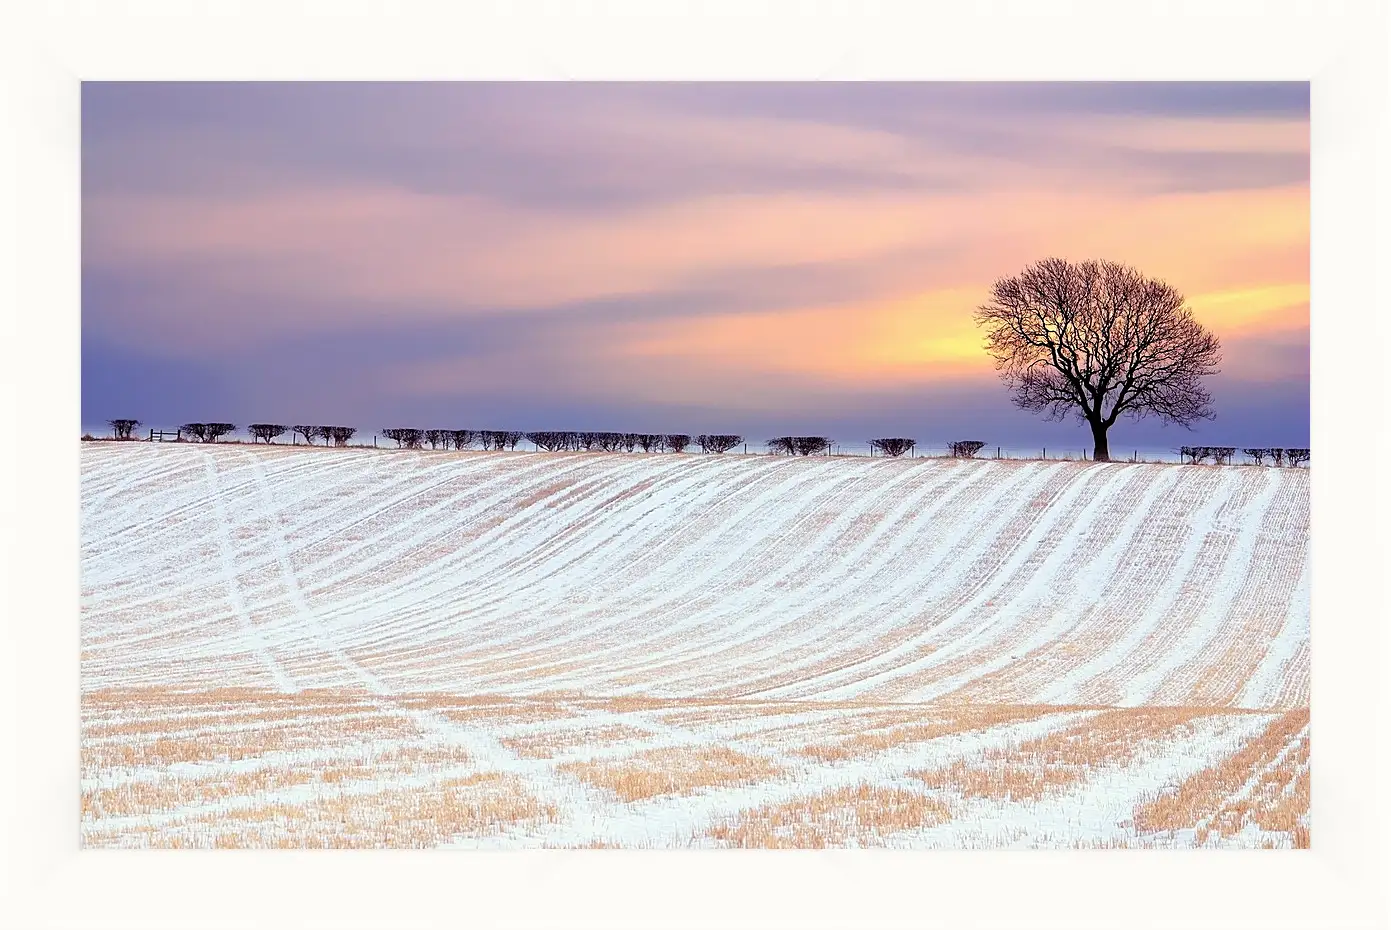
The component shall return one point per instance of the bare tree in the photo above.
(310, 433)
(893, 447)
(799, 445)
(497, 440)
(718, 442)
(121, 429)
(549, 441)
(199, 431)
(1220, 455)
(405, 437)
(217, 430)
(462, 438)
(628, 441)
(609, 442)
(675, 442)
(1257, 454)
(965, 448)
(649, 441)
(1277, 457)
(437, 437)
(1296, 457)
(266, 432)
(341, 434)
(1098, 340)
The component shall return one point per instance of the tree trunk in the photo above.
(1102, 453)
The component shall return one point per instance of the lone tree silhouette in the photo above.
(1099, 340)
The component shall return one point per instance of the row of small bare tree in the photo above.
(488, 439)
(572, 441)
(268, 432)
(207, 432)
(1222, 455)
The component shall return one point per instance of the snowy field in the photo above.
(346, 647)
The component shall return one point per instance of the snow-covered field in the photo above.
(353, 647)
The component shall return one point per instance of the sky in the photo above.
(761, 259)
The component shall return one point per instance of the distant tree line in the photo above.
(1278, 457)
(594, 441)
(268, 432)
(571, 441)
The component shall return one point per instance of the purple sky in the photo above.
(747, 258)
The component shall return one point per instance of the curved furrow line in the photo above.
(996, 608)
(947, 534)
(835, 566)
(1264, 685)
(506, 614)
(967, 555)
(153, 513)
(1153, 682)
(477, 534)
(1278, 549)
(550, 535)
(214, 647)
(516, 610)
(168, 549)
(284, 632)
(1132, 600)
(421, 589)
(1035, 659)
(863, 602)
(442, 475)
(159, 547)
(1155, 596)
(229, 580)
(573, 623)
(639, 630)
(742, 629)
(126, 477)
(311, 486)
(264, 562)
(303, 614)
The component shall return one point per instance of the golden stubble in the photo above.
(933, 724)
(860, 815)
(1206, 801)
(673, 771)
(475, 806)
(1058, 761)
